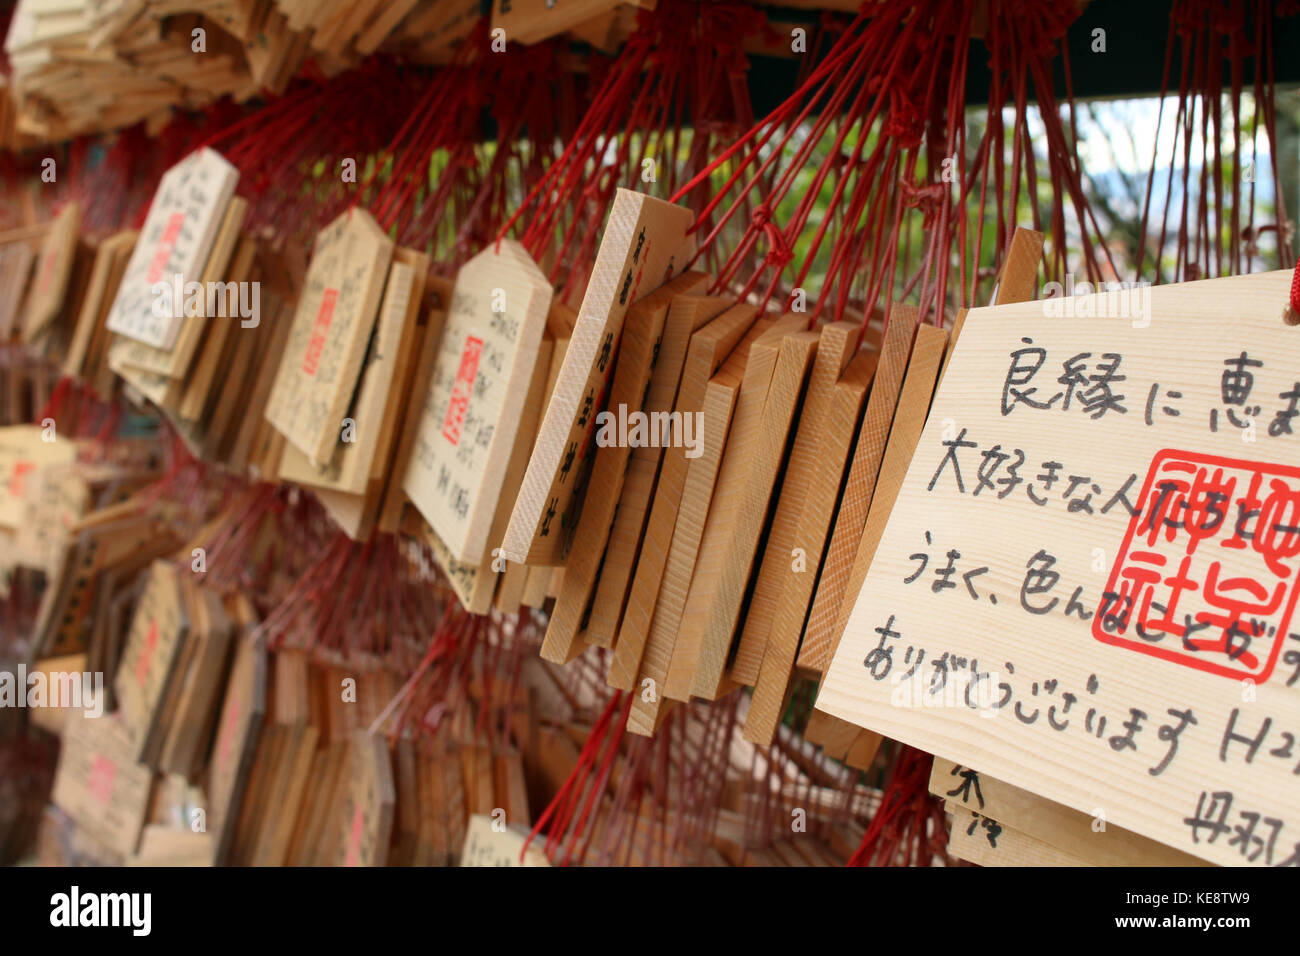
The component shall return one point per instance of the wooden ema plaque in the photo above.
(55, 499)
(492, 843)
(687, 314)
(1101, 496)
(23, 455)
(186, 213)
(348, 469)
(709, 349)
(984, 808)
(644, 245)
(855, 499)
(777, 367)
(331, 329)
(99, 783)
(217, 276)
(89, 335)
(367, 804)
(144, 677)
(475, 582)
(389, 416)
(49, 284)
(239, 724)
(16, 259)
(644, 333)
(472, 409)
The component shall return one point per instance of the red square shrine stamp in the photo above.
(1206, 576)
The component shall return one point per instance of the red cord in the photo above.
(1294, 316)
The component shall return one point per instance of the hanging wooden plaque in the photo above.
(1104, 496)
(99, 783)
(644, 245)
(490, 844)
(24, 453)
(145, 675)
(474, 402)
(331, 328)
(348, 468)
(239, 724)
(53, 267)
(184, 218)
(368, 804)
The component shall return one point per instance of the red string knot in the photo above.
(1291, 314)
(929, 199)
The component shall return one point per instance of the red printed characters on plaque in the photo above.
(458, 405)
(1206, 576)
(319, 331)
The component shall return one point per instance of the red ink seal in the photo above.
(319, 330)
(458, 405)
(1169, 594)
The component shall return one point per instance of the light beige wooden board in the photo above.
(369, 804)
(513, 589)
(692, 539)
(443, 22)
(851, 515)
(148, 665)
(510, 589)
(490, 844)
(24, 452)
(60, 334)
(348, 469)
(708, 350)
(358, 514)
(290, 763)
(49, 284)
(228, 405)
(215, 349)
(239, 726)
(539, 579)
(244, 445)
(644, 245)
(331, 327)
(972, 797)
(474, 595)
(930, 347)
(218, 299)
(395, 500)
(98, 781)
(162, 391)
(984, 841)
(803, 467)
(99, 295)
(1204, 564)
(475, 582)
(862, 752)
(198, 687)
(732, 535)
(720, 400)
(53, 713)
(821, 486)
(475, 398)
(539, 576)
(16, 258)
(55, 498)
(909, 419)
(1018, 274)
(178, 233)
(685, 317)
(623, 423)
